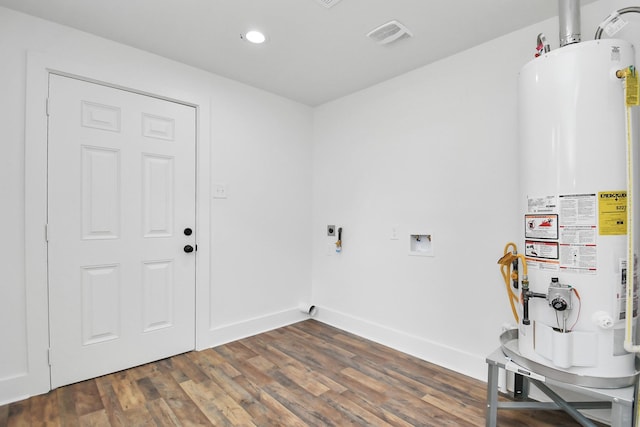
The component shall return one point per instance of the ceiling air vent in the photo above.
(328, 3)
(390, 32)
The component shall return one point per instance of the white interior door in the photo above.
(121, 188)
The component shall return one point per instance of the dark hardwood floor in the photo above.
(306, 374)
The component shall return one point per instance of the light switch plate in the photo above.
(394, 232)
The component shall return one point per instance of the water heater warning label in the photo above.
(612, 213)
(541, 227)
(546, 250)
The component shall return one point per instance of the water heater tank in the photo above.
(573, 189)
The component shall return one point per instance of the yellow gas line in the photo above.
(505, 268)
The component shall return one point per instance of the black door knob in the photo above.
(188, 249)
(188, 231)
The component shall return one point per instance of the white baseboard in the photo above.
(19, 387)
(468, 364)
(232, 332)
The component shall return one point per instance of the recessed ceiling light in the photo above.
(254, 36)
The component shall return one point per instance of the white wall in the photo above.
(260, 147)
(261, 259)
(433, 150)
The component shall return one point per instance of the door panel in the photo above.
(121, 188)
(100, 180)
(157, 189)
(100, 309)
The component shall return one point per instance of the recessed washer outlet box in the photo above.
(421, 244)
(390, 32)
(328, 3)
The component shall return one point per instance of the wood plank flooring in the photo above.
(306, 374)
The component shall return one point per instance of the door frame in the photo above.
(39, 67)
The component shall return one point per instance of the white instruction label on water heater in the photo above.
(622, 291)
(578, 209)
(578, 233)
(578, 258)
(543, 204)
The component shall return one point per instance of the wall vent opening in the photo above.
(390, 32)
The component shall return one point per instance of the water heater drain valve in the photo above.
(559, 295)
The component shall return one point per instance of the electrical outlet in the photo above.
(331, 230)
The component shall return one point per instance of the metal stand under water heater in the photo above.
(572, 278)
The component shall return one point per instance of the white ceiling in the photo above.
(313, 54)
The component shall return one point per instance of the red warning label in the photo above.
(541, 227)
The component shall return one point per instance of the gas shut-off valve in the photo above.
(559, 295)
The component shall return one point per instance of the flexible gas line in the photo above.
(510, 245)
(614, 15)
(505, 268)
(512, 297)
(524, 265)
